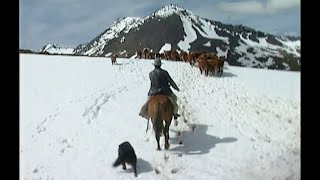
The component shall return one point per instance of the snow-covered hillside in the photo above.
(184, 30)
(124, 24)
(75, 111)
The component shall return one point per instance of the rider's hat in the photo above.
(157, 62)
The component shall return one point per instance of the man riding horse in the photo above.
(160, 84)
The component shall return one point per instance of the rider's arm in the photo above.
(172, 83)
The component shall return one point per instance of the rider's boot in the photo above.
(175, 116)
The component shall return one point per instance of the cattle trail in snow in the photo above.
(92, 111)
(42, 127)
(187, 120)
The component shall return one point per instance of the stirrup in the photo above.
(175, 116)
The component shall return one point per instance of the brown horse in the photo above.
(160, 109)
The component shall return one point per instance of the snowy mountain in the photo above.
(75, 111)
(79, 48)
(56, 49)
(183, 30)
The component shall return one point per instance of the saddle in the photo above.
(144, 108)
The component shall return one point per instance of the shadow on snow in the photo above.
(198, 141)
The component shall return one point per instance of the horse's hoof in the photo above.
(176, 122)
(166, 146)
(158, 149)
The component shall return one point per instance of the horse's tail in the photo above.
(147, 125)
(158, 119)
(118, 161)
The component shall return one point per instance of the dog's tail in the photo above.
(117, 162)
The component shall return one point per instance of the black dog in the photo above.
(126, 154)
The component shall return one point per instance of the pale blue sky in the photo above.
(71, 22)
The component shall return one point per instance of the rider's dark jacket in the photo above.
(160, 82)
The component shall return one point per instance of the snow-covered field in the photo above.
(75, 111)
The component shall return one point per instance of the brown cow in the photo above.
(175, 55)
(167, 55)
(213, 65)
(162, 55)
(114, 59)
(184, 56)
(158, 55)
(145, 53)
(151, 55)
(139, 54)
(208, 55)
(221, 64)
(212, 55)
(192, 58)
(203, 66)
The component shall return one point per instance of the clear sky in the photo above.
(72, 22)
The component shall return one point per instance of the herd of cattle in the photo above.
(206, 61)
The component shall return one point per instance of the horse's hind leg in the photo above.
(158, 139)
(158, 132)
(166, 135)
